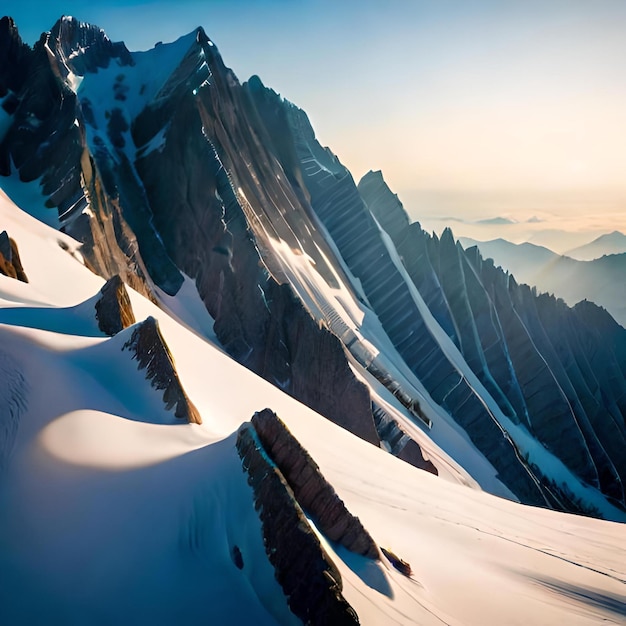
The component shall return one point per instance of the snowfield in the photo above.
(112, 511)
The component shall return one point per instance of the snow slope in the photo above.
(111, 511)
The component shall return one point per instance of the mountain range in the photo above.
(609, 244)
(238, 386)
(601, 280)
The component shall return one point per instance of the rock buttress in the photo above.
(153, 355)
(400, 443)
(114, 311)
(310, 580)
(312, 491)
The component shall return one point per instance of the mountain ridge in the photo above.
(259, 275)
(599, 280)
(187, 146)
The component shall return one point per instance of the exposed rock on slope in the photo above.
(10, 263)
(313, 492)
(114, 311)
(149, 348)
(309, 578)
(400, 443)
(177, 181)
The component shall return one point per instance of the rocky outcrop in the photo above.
(313, 492)
(114, 311)
(399, 443)
(152, 354)
(310, 580)
(401, 565)
(10, 263)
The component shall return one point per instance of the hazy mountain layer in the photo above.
(601, 280)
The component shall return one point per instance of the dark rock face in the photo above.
(312, 491)
(149, 348)
(10, 263)
(40, 105)
(337, 203)
(309, 578)
(207, 202)
(16, 54)
(399, 442)
(558, 371)
(114, 311)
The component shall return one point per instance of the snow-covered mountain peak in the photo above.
(239, 387)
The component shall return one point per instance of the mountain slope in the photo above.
(215, 200)
(111, 513)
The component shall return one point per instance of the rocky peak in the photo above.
(393, 218)
(80, 48)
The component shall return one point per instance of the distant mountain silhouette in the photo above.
(611, 243)
(602, 280)
(498, 221)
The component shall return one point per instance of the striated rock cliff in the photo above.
(312, 491)
(152, 354)
(159, 170)
(10, 263)
(114, 311)
(375, 263)
(309, 578)
(531, 351)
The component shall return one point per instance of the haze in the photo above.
(471, 109)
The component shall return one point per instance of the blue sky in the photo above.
(482, 102)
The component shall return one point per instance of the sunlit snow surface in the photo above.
(112, 512)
